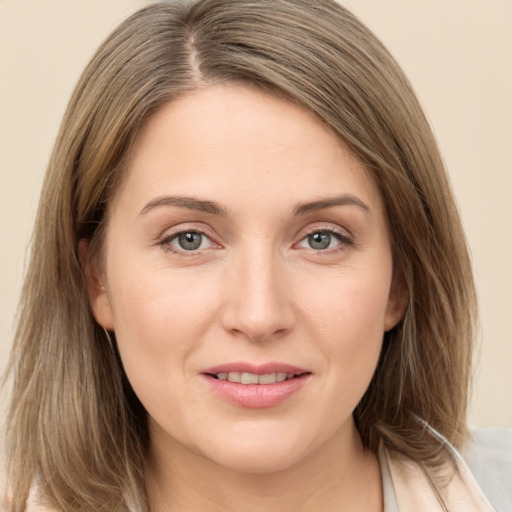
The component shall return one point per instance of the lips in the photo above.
(254, 378)
(256, 386)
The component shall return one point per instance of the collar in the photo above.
(406, 487)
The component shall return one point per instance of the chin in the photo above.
(257, 462)
(257, 455)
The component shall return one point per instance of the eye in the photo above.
(322, 240)
(188, 241)
(319, 241)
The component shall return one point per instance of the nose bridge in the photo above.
(258, 305)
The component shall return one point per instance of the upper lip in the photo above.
(257, 369)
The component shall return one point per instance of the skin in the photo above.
(254, 291)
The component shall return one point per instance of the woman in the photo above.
(249, 285)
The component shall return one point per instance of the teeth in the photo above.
(233, 377)
(281, 376)
(252, 378)
(267, 378)
(248, 378)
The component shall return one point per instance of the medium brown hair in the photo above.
(74, 425)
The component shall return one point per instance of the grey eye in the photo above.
(319, 241)
(190, 241)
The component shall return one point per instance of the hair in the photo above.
(75, 427)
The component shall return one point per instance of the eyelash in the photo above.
(344, 241)
(165, 242)
(342, 238)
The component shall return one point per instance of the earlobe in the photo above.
(398, 301)
(95, 284)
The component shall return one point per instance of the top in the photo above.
(479, 479)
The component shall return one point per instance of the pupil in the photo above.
(190, 241)
(319, 240)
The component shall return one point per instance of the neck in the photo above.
(341, 475)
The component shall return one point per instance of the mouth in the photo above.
(255, 378)
(256, 386)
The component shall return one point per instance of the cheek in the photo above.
(160, 318)
(157, 301)
(347, 319)
(352, 303)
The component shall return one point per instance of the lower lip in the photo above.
(257, 396)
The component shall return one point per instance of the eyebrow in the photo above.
(190, 203)
(214, 208)
(329, 202)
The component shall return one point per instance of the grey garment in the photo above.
(489, 457)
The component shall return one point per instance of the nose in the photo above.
(258, 305)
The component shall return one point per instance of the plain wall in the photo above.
(458, 55)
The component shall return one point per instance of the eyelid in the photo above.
(327, 227)
(164, 240)
(342, 235)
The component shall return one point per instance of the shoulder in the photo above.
(488, 455)
(449, 487)
(477, 478)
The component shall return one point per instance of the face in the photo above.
(245, 244)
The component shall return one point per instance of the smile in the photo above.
(256, 386)
(254, 378)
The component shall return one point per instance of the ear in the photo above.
(96, 287)
(398, 300)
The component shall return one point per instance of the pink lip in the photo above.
(256, 396)
(258, 369)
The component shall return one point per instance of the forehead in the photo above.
(240, 144)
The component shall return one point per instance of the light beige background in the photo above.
(458, 55)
